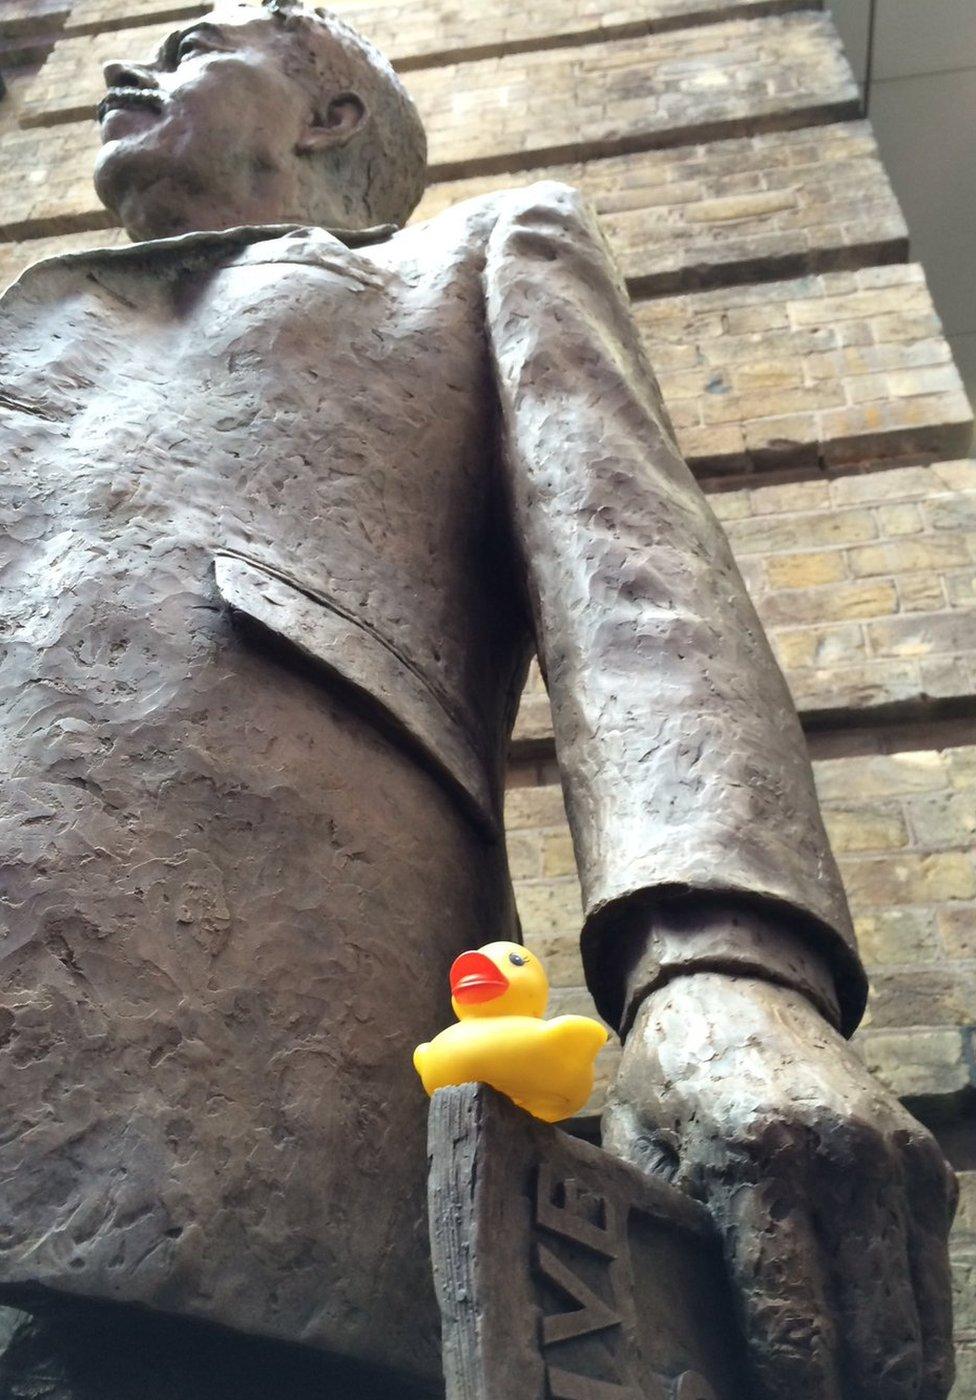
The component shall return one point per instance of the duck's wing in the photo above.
(581, 1033)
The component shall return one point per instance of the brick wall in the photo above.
(799, 201)
(811, 387)
(412, 33)
(821, 369)
(904, 829)
(791, 201)
(866, 585)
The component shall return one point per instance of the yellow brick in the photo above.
(943, 819)
(882, 775)
(910, 879)
(922, 997)
(962, 767)
(534, 718)
(561, 956)
(961, 588)
(839, 602)
(766, 375)
(906, 555)
(796, 650)
(557, 856)
(534, 807)
(777, 534)
(922, 593)
(805, 570)
(915, 1061)
(851, 601)
(896, 935)
(730, 505)
(745, 206)
(914, 635)
(524, 855)
(957, 930)
(817, 646)
(965, 1222)
(863, 828)
(721, 442)
(791, 497)
(905, 518)
(554, 907)
(957, 476)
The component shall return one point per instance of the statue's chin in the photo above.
(103, 162)
(111, 184)
(137, 192)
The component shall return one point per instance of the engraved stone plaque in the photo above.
(565, 1274)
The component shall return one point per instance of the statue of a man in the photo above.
(290, 495)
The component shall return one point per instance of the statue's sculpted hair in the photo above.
(383, 172)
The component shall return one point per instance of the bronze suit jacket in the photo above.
(282, 521)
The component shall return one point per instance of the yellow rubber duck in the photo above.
(499, 995)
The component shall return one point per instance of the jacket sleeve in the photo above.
(683, 763)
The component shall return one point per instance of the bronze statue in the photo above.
(291, 493)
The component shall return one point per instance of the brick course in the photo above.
(866, 586)
(820, 370)
(723, 79)
(27, 17)
(902, 827)
(47, 189)
(100, 16)
(776, 204)
(507, 113)
(408, 32)
(794, 201)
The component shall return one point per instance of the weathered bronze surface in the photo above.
(79, 1349)
(562, 1272)
(284, 512)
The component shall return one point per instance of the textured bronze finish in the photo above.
(284, 513)
(562, 1272)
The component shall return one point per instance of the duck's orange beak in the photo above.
(475, 978)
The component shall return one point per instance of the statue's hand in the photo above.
(833, 1203)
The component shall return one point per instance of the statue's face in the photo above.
(214, 131)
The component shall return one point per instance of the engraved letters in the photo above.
(593, 1222)
(562, 1272)
(590, 1221)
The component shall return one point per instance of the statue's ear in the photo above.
(344, 116)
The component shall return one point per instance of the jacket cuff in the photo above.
(716, 935)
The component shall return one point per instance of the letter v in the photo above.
(592, 1315)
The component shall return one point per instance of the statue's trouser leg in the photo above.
(77, 1350)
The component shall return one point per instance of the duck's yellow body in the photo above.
(500, 993)
(546, 1067)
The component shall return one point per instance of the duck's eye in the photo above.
(517, 959)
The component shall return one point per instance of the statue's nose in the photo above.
(127, 75)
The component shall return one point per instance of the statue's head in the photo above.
(253, 115)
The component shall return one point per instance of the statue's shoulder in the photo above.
(472, 221)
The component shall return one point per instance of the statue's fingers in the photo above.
(627, 1132)
(778, 1274)
(932, 1192)
(862, 1216)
